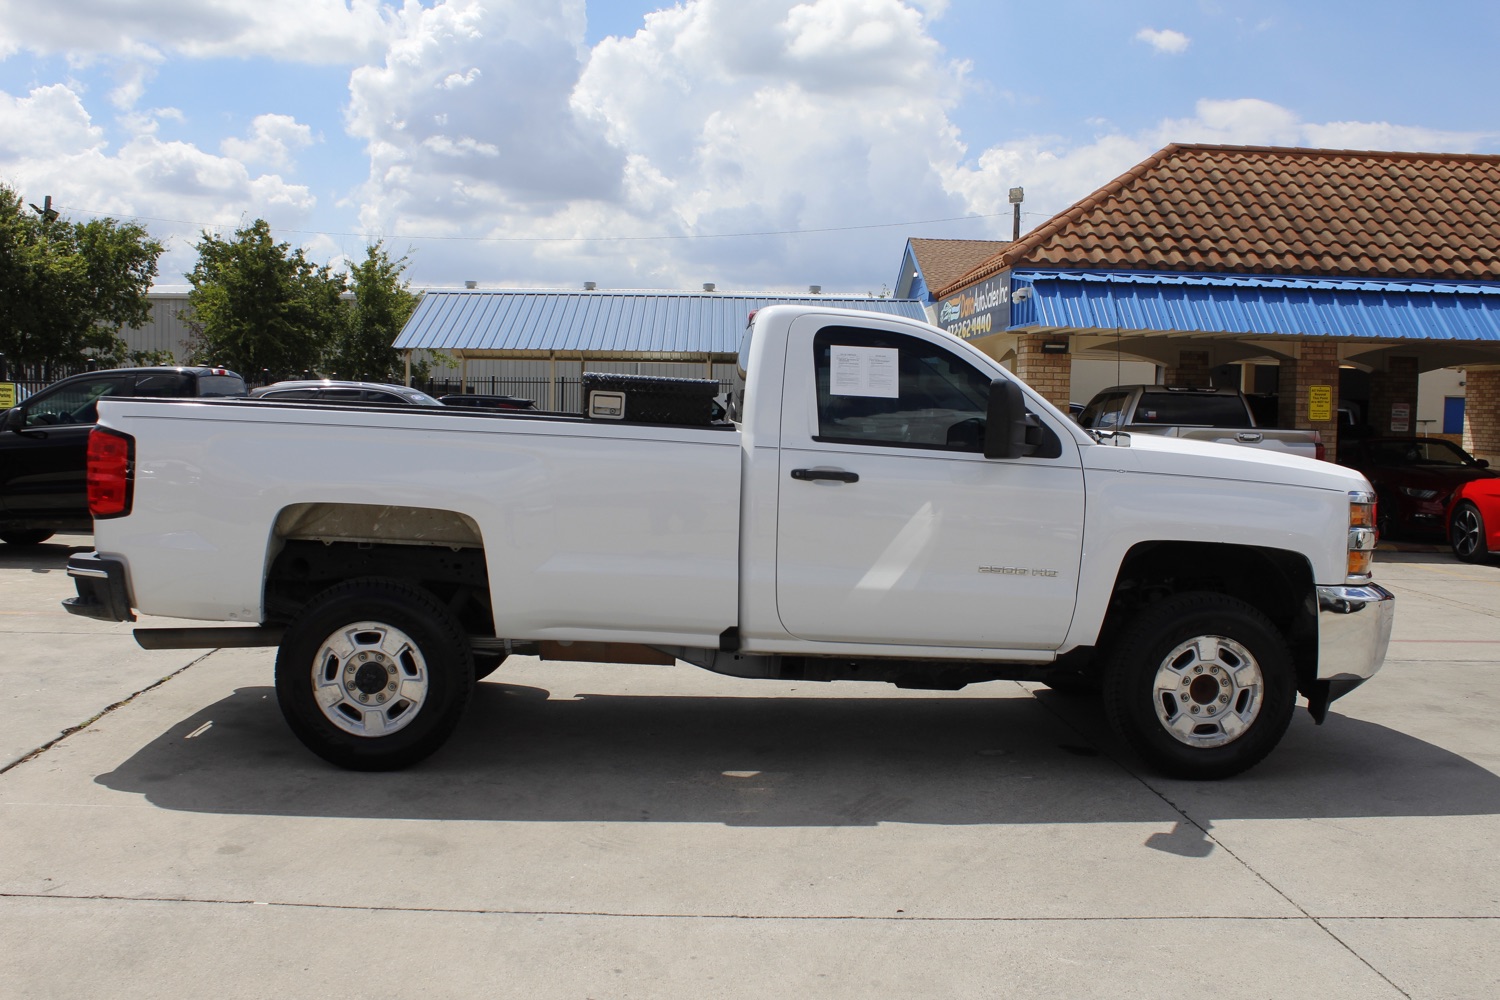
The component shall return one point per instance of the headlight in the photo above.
(1417, 494)
(1361, 535)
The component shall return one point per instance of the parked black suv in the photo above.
(44, 441)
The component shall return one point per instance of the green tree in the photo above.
(67, 287)
(382, 305)
(261, 307)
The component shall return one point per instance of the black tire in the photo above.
(1466, 533)
(486, 663)
(22, 538)
(394, 667)
(1076, 684)
(1238, 674)
(1385, 517)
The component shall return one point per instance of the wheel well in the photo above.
(316, 546)
(1276, 582)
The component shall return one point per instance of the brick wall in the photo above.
(1049, 374)
(1482, 413)
(1317, 363)
(1191, 369)
(1397, 384)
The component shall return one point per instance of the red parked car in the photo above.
(1415, 479)
(1474, 520)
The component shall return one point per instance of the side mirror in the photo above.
(1483, 463)
(1006, 421)
(13, 419)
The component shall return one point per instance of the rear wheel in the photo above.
(1466, 533)
(22, 538)
(486, 663)
(1202, 686)
(374, 674)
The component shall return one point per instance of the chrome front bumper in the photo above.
(1354, 630)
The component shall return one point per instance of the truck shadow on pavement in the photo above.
(44, 558)
(789, 761)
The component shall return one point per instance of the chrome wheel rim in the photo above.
(1208, 691)
(1465, 531)
(370, 679)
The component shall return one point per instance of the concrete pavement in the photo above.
(635, 831)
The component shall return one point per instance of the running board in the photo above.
(224, 637)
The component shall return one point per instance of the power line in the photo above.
(554, 239)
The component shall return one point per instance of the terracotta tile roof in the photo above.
(945, 261)
(1268, 210)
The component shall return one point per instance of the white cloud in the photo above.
(1166, 41)
(272, 140)
(452, 147)
(718, 116)
(49, 145)
(313, 31)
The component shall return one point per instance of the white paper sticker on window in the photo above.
(865, 371)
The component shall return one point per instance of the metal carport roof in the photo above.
(662, 326)
(1258, 305)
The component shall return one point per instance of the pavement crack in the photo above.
(71, 730)
(1189, 823)
(791, 917)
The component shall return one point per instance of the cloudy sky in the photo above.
(758, 144)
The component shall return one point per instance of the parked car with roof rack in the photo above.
(328, 390)
(1415, 479)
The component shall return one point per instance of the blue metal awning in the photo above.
(1256, 305)
(658, 325)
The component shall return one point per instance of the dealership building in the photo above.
(1328, 278)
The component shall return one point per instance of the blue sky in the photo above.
(758, 144)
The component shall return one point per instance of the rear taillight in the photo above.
(111, 472)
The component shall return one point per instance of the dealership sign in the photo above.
(977, 311)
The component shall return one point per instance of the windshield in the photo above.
(1420, 451)
(221, 385)
(1195, 409)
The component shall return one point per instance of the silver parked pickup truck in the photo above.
(1219, 415)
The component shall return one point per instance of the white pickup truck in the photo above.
(1220, 415)
(884, 503)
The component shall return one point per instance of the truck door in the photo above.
(892, 526)
(44, 457)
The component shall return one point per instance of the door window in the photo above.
(74, 403)
(895, 390)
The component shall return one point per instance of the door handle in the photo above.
(837, 475)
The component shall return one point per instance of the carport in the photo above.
(690, 331)
(1311, 261)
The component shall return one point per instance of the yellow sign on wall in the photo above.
(1319, 404)
(7, 395)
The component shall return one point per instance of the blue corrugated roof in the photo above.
(1257, 305)
(687, 324)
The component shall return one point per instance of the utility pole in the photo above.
(46, 212)
(1017, 195)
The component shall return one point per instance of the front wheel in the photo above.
(1201, 685)
(1466, 533)
(374, 674)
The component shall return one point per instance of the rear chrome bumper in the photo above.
(1354, 629)
(101, 586)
